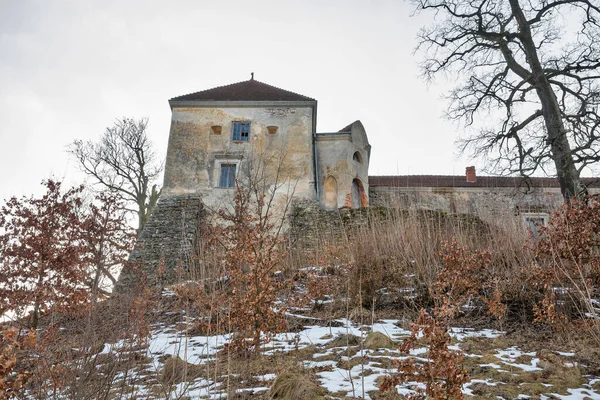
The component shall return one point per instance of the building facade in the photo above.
(237, 132)
(530, 201)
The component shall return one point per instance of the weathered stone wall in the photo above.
(488, 203)
(197, 149)
(338, 168)
(310, 224)
(168, 237)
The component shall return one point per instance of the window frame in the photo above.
(237, 129)
(230, 179)
(535, 217)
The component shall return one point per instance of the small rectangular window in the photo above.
(227, 179)
(534, 222)
(241, 131)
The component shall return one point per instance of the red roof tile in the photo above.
(251, 90)
(461, 181)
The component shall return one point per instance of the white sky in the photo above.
(69, 68)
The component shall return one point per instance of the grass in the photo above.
(383, 269)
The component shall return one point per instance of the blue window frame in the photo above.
(227, 179)
(241, 131)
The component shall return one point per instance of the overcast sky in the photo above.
(69, 68)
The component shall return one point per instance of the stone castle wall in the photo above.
(167, 238)
(173, 228)
(487, 203)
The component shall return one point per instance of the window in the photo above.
(357, 157)
(535, 221)
(241, 131)
(227, 179)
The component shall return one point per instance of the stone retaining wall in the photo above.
(167, 238)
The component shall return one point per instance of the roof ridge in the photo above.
(460, 181)
(249, 90)
(216, 87)
(278, 88)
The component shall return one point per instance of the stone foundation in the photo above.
(167, 239)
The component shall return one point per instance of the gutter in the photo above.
(315, 162)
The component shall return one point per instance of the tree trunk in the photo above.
(144, 210)
(567, 174)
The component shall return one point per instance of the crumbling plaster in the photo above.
(335, 159)
(195, 152)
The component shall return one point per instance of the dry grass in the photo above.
(295, 385)
(377, 340)
(386, 267)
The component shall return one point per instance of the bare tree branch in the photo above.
(123, 161)
(529, 81)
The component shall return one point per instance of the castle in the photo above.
(217, 135)
(220, 136)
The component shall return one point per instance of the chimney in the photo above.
(471, 176)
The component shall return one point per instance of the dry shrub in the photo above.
(13, 374)
(292, 385)
(399, 250)
(418, 258)
(248, 292)
(466, 276)
(176, 370)
(71, 356)
(553, 279)
(568, 263)
(443, 374)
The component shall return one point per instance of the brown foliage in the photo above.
(442, 374)
(41, 252)
(568, 259)
(13, 377)
(55, 251)
(571, 242)
(466, 275)
(252, 295)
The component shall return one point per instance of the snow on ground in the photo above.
(357, 380)
(341, 370)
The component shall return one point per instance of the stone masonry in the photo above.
(167, 238)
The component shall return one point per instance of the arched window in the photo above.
(359, 197)
(331, 188)
(357, 157)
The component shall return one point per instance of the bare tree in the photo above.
(123, 161)
(530, 68)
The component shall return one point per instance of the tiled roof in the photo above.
(461, 181)
(251, 90)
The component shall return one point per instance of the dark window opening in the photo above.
(357, 157)
(241, 131)
(227, 176)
